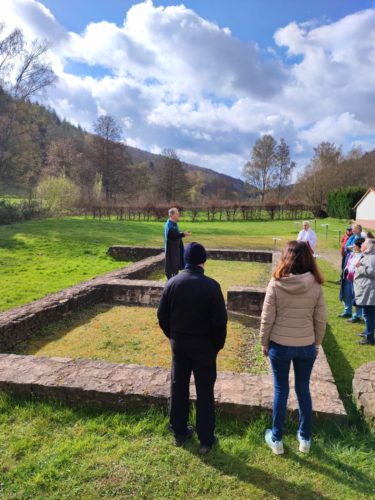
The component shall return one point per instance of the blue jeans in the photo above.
(369, 315)
(303, 361)
(348, 296)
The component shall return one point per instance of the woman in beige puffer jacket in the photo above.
(293, 325)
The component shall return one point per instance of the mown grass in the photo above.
(130, 335)
(229, 273)
(42, 256)
(50, 451)
(344, 353)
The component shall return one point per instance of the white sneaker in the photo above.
(276, 446)
(304, 446)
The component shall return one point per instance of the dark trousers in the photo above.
(198, 356)
(369, 315)
(303, 359)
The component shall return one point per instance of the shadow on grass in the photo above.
(330, 441)
(343, 374)
(229, 464)
(337, 470)
(58, 329)
(319, 462)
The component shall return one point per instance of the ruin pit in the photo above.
(34, 362)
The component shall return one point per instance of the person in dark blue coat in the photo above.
(174, 247)
(192, 314)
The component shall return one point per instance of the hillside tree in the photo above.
(110, 156)
(172, 182)
(63, 158)
(321, 175)
(259, 172)
(24, 73)
(283, 167)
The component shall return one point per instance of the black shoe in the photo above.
(344, 315)
(354, 319)
(206, 448)
(366, 342)
(181, 439)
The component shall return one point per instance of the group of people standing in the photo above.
(357, 290)
(192, 314)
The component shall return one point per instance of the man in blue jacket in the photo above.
(192, 314)
(356, 233)
(174, 247)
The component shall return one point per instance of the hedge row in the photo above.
(340, 202)
(10, 213)
(210, 212)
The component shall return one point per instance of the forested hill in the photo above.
(37, 143)
(212, 179)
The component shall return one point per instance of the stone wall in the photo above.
(122, 252)
(122, 386)
(240, 255)
(119, 386)
(20, 323)
(246, 299)
(134, 292)
(364, 389)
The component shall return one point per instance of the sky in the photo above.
(209, 77)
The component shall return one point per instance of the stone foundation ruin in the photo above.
(122, 386)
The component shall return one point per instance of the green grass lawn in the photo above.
(50, 451)
(42, 256)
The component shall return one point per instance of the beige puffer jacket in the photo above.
(294, 312)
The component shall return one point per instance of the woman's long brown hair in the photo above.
(296, 258)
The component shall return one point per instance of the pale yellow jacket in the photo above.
(294, 312)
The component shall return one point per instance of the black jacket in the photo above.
(193, 305)
(174, 251)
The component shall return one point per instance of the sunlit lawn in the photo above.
(43, 256)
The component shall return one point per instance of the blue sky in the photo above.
(247, 19)
(209, 77)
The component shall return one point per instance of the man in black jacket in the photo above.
(193, 316)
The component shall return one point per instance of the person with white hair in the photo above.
(308, 236)
(356, 233)
(174, 247)
(364, 289)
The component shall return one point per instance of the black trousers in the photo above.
(198, 356)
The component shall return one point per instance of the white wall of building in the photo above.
(366, 209)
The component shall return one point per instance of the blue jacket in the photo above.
(353, 238)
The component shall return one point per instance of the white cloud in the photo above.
(177, 80)
(333, 129)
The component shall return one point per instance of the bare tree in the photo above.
(10, 47)
(172, 182)
(107, 128)
(24, 72)
(321, 175)
(260, 170)
(110, 155)
(63, 158)
(283, 167)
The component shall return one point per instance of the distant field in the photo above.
(43, 256)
